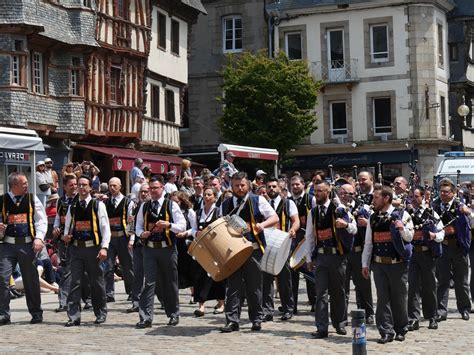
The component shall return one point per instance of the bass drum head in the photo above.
(298, 258)
(276, 251)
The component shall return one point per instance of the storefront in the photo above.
(119, 162)
(18, 152)
(245, 152)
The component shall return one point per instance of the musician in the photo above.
(304, 203)
(289, 222)
(87, 229)
(363, 287)
(206, 288)
(137, 248)
(120, 213)
(326, 253)
(215, 182)
(365, 181)
(23, 225)
(421, 273)
(400, 187)
(197, 196)
(388, 235)
(258, 214)
(158, 221)
(456, 246)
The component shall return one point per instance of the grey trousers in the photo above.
(471, 262)
(65, 277)
(162, 264)
(453, 259)
(119, 247)
(363, 286)
(329, 278)
(10, 255)
(284, 289)
(391, 314)
(85, 260)
(422, 281)
(138, 274)
(248, 278)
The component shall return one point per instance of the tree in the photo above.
(268, 102)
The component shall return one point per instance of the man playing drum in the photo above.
(258, 214)
(289, 222)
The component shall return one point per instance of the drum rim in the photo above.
(302, 261)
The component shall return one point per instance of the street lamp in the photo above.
(463, 109)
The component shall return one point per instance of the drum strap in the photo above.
(253, 225)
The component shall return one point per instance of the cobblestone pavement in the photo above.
(118, 334)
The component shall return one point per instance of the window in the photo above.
(115, 85)
(440, 46)
(37, 73)
(379, 43)
(87, 3)
(121, 8)
(444, 121)
(338, 118)
(76, 76)
(155, 101)
(175, 37)
(382, 115)
(169, 105)
(453, 52)
(293, 45)
(232, 34)
(161, 30)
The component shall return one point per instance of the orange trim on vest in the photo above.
(382, 237)
(418, 235)
(449, 230)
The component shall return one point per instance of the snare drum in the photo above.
(221, 249)
(298, 258)
(276, 251)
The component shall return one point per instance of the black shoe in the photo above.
(256, 326)
(400, 337)
(87, 306)
(5, 321)
(198, 313)
(295, 311)
(312, 308)
(281, 310)
(129, 298)
(143, 324)
(110, 299)
(433, 324)
(132, 309)
(74, 323)
(341, 331)
(267, 318)
(441, 318)
(100, 320)
(61, 309)
(319, 334)
(286, 316)
(465, 315)
(36, 320)
(413, 325)
(173, 321)
(386, 338)
(370, 320)
(15, 293)
(229, 328)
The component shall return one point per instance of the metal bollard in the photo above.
(359, 338)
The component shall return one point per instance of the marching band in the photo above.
(411, 243)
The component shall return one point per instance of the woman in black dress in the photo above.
(206, 288)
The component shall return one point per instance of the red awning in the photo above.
(123, 159)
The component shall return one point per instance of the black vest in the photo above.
(448, 217)
(283, 212)
(63, 206)
(382, 246)
(150, 217)
(18, 218)
(203, 224)
(86, 222)
(118, 215)
(321, 227)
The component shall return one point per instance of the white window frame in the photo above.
(37, 73)
(224, 31)
(301, 43)
(374, 113)
(331, 121)
(16, 70)
(372, 49)
(75, 88)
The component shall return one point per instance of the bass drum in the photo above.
(220, 250)
(276, 251)
(298, 258)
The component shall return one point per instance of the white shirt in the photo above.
(265, 209)
(406, 234)
(204, 217)
(119, 199)
(309, 242)
(41, 221)
(104, 223)
(179, 222)
(192, 222)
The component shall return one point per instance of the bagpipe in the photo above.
(429, 224)
(404, 249)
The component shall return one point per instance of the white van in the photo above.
(452, 163)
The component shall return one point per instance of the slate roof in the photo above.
(196, 4)
(463, 8)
